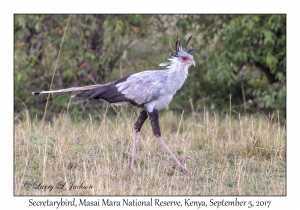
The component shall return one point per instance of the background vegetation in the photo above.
(242, 56)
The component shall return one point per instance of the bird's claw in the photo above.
(132, 167)
(185, 171)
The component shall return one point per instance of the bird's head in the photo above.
(181, 55)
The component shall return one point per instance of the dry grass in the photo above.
(241, 156)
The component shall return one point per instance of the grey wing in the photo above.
(143, 87)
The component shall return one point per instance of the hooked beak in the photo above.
(193, 63)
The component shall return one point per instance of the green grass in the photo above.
(241, 155)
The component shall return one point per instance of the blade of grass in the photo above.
(45, 112)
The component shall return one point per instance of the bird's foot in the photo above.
(132, 166)
(185, 171)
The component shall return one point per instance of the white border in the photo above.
(154, 6)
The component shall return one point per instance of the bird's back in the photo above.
(145, 86)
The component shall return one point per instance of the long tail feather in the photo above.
(85, 88)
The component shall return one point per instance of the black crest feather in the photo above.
(177, 46)
(177, 43)
(190, 50)
(188, 41)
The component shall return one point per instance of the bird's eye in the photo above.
(184, 58)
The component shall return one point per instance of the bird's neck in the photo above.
(179, 70)
(177, 74)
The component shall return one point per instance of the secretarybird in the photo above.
(149, 90)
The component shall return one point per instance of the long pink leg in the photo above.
(137, 127)
(183, 169)
(133, 150)
(153, 116)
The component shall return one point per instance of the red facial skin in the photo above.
(185, 58)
